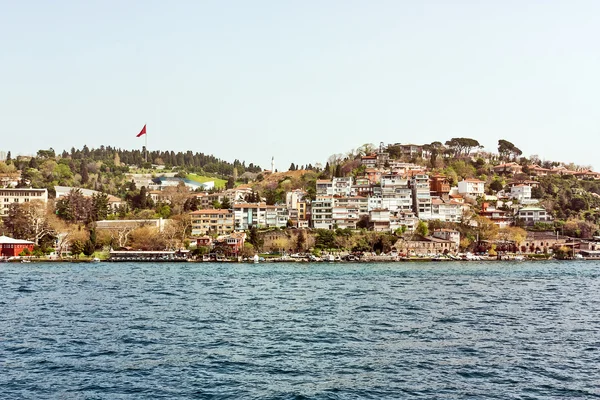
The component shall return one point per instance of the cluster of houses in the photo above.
(382, 200)
(388, 196)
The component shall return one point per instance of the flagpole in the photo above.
(146, 145)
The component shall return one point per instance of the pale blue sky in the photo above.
(300, 80)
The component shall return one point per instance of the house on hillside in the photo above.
(471, 187)
(508, 168)
(530, 215)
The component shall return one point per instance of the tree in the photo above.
(28, 221)
(83, 171)
(422, 229)
(248, 250)
(325, 239)
(74, 207)
(281, 243)
(512, 234)
(226, 204)
(230, 183)
(76, 248)
(255, 239)
(506, 149)
(363, 222)
(89, 248)
(300, 241)
(176, 197)
(462, 146)
(496, 185)
(100, 207)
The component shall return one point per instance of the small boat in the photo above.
(95, 260)
(255, 259)
(25, 261)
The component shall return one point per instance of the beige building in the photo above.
(10, 196)
(220, 222)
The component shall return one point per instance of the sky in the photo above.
(300, 80)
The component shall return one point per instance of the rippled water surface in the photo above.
(300, 331)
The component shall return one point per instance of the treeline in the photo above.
(191, 161)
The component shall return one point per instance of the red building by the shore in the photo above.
(10, 247)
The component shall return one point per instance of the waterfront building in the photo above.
(259, 215)
(10, 247)
(10, 196)
(220, 222)
(322, 212)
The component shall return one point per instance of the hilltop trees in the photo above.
(462, 146)
(507, 149)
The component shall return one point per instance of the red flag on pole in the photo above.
(142, 132)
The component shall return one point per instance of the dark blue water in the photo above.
(289, 331)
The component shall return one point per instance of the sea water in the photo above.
(300, 331)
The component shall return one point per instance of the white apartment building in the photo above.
(259, 215)
(446, 210)
(344, 217)
(324, 187)
(471, 187)
(10, 196)
(342, 186)
(421, 196)
(522, 193)
(322, 212)
(532, 215)
(359, 203)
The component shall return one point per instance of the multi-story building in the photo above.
(324, 187)
(531, 215)
(439, 186)
(322, 212)
(220, 222)
(446, 210)
(522, 193)
(379, 220)
(342, 186)
(10, 196)
(344, 217)
(471, 187)
(259, 215)
(500, 218)
(447, 234)
(359, 203)
(421, 196)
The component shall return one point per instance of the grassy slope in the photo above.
(202, 179)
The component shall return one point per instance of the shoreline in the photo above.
(297, 261)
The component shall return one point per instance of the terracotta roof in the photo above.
(210, 212)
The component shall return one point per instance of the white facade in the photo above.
(322, 212)
(448, 211)
(248, 215)
(521, 193)
(342, 186)
(421, 196)
(324, 187)
(533, 214)
(471, 187)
